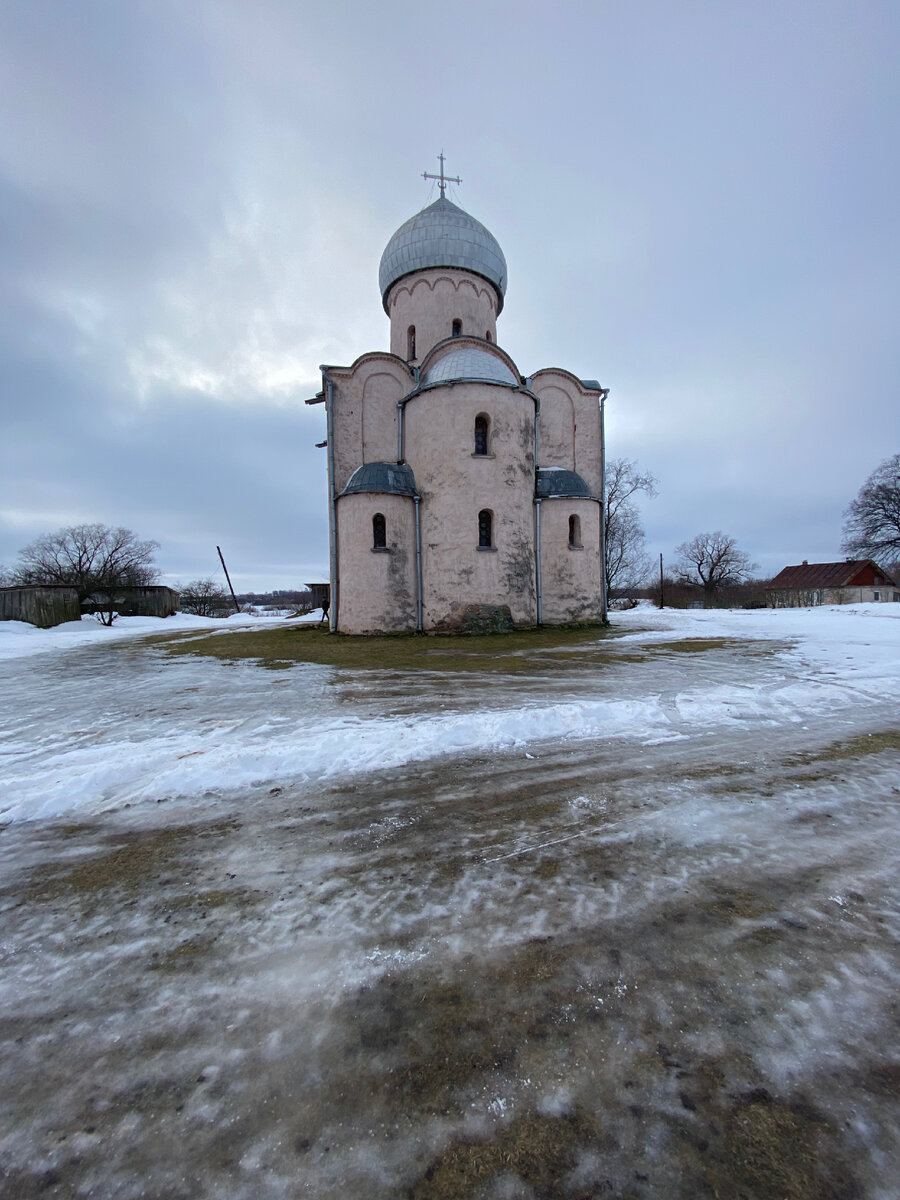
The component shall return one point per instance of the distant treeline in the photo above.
(280, 598)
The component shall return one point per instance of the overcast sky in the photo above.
(697, 199)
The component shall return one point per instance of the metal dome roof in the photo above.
(468, 362)
(557, 481)
(393, 478)
(443, 235)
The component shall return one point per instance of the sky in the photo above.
(697, 200)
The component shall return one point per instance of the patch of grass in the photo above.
(538, 1150)
(865, 743)
(519, 652)
(183, 956)
(129, 864)
(204, 901)
(772, 1150)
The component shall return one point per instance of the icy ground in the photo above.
(619, 925)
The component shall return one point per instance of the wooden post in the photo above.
(662, 602)
(237, 607)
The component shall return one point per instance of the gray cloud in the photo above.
(696, 203)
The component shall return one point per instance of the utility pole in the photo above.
(662, 599)
(237, 607)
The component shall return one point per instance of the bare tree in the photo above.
(93, 559)
(872, 520)
(627, 564)
(205, 598)
(713, 560)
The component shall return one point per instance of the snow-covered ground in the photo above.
(625, 923)
(87, 728)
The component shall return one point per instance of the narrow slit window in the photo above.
(457, 327)
(487, 336)
(379, 532)
(482, 427)
(411, 343)
(575, 532)
(485, 529)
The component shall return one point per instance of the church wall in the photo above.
(570, 578)
(556, 429)
(377, 589)
(569, 427)
(381, 392)
(456, 485)
(365, 413)
(431, 300)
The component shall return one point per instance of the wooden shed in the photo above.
(136, 602)
(41, 606)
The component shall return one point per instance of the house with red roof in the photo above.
(831, 583)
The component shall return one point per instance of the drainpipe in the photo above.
(537, 556)
(401, 409)
(603, 593)
(537, 507)
(332, 507)
(416, 499)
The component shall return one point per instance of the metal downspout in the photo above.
(332, 507)
(400, 408)
(416, 499)
(537, 511)
(537, 556)
(604, 598)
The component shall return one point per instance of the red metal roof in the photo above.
(826, 575)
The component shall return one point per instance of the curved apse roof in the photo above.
(443, 235)
(393, 478)
(469, 362)
(556, 481)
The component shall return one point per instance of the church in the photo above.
(462, 495)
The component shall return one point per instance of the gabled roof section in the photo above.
(825, 575)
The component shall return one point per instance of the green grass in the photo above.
(522, 651)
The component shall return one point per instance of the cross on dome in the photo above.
(443, 179)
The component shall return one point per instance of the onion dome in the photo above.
(394, 479)
(557, 481)
(468, 363)
(443, 235)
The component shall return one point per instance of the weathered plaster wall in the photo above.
(570, 425)
(456, 485)
(432, 300)
(365, 412)
(570, 578)
(377, 589)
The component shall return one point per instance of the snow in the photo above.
(86, 730)
(636, 888)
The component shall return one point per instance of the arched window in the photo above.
(575, 532)
(485, 529)
(379, 532)
(457, 327)
(482, 429)
(487, 336)
(411, 343)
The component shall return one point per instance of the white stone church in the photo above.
(463, 495)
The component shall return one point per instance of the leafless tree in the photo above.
(872, 520)
(93, 559)
(205, 598)
(627, 564)
(713, 560)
